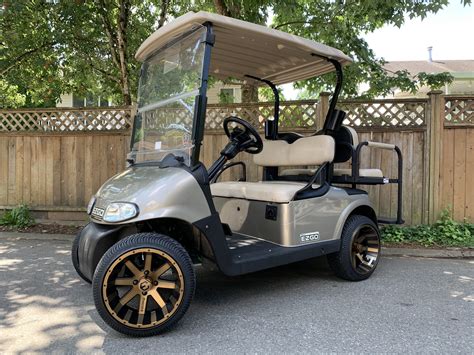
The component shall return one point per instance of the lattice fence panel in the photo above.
(66, 120)
(293, 114)
(384, 113)
(459, 110)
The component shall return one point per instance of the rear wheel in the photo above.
(75, 257)
(143, 284)
(360, 249)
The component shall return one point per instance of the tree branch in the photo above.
(22, 56)
(112, 38)
(111, 76)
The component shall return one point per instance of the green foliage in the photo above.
(265, 93)
(9, 95)
(87, 47)
(19, 217)
(445, 232)
(226, 98)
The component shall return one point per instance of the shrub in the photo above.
(444, 232)
(19, 217)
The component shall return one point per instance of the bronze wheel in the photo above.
(146, 283)
(365, 248)
(360, 249)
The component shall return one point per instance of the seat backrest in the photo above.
(314, 150)
(345, 137)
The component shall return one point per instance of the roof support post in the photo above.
(271, 127)
(201, 99)
(330, 122)
(333, 121)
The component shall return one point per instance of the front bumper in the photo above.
(95, 240)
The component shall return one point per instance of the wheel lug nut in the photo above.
(147, 272)
(155, 283)
(144, 293)
(135, 282)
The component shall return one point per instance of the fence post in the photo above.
(433, 151)
(323, 109)
(133, 110)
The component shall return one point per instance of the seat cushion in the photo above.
(337, 172)
(271, 191)
(362, 172)
(293, 172)
(313, 150)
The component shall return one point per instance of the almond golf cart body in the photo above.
(166, 212)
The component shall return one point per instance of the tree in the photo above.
(49, 47)
(341, 24)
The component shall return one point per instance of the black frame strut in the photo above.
(271, 127)
(201, 99)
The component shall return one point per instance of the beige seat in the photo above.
(337, 172)
(271, 191)
(315, 150)
(354, 141)
(362, 172)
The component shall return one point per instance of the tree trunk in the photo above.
(163, 12)
(249, 93)
(122, 50)
(221, 8)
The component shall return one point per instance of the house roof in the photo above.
(243, 48)
(436, 66)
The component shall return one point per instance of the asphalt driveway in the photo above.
(408, 305)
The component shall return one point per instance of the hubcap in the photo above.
(143, 288)
(365, 249)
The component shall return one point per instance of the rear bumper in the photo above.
(95, 240)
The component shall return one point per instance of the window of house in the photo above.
(92, 101)
(78, 101)
(226, 96)
(89, 101)
(103, 102)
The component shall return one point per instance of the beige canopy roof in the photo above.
(243, 48)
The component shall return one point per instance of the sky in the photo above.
(450, 32)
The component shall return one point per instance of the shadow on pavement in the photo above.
(46, 307)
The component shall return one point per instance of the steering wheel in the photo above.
(248, 139)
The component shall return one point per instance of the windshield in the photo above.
(169, 82)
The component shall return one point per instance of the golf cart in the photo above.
(166, 212)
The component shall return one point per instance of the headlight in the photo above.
(90, 205)
(120, 211)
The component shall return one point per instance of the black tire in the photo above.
(136, 249)
(360, 249)
(75, 257)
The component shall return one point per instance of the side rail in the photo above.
(398, 180)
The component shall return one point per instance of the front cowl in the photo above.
(158, 192)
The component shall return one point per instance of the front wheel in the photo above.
(144, 284)
(360, 249)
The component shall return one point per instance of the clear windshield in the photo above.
(169, 82)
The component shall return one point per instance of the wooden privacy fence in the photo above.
(55, 159)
